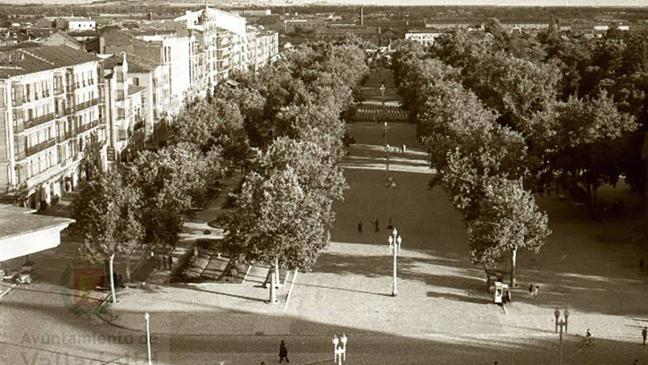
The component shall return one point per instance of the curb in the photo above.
(8, 290)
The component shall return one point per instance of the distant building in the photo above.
(61, 39)
(253, 12)
(50, 100)
(303, 25)
(424, 37)
(75, 24)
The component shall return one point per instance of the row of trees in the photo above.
(294, 111)
(491, 109)
(281, 127)
(479, 163)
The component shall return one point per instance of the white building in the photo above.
(423, 37)
(76, 24)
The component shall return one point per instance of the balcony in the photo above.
(86, 104)
(39, 147)
(87, 126)
(39, 120)
(65, 136)
(59, 91)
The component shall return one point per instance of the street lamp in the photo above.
(391, 184)
(339, 352)
(382, 94)
(394, 245)
(561, 323)
(147, 316)
(386, 145)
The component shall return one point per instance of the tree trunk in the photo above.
(128, 269)
(277, 278)
(112, 279)
(513, 260)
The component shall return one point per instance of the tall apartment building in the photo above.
(123, 105)
(49, 106)
(169, 49)
(220, 47)
(262, 47)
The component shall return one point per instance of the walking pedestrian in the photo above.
(170, 261)
(644, 334)
(530, 290)
(283, 351)
(535, 291)
(359, 227)
(377, 225)
(641, 264)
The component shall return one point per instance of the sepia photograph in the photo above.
(347, 182)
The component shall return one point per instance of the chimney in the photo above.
(361, 15)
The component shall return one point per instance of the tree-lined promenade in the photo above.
(283, 128)
(503, 120)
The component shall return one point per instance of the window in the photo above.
(120, 95)
(121, 113)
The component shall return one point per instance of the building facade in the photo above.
(50, 100)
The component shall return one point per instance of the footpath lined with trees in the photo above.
(283, 128)
(506, 116)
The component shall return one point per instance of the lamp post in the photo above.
(382, 94)
(560, 324)
(386, 145)
(147, 316)
(339, 352)
(394, 245)
(391, 184)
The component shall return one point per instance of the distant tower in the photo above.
(361, 15)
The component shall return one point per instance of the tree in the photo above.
(509, 219)
(109, 214)
(285, 208)
(172, 180)
(588, 132)
(92, 163)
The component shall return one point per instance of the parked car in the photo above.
(23, 278)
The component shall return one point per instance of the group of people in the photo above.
(533, 291)
(376, 224)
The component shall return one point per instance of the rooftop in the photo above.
(140, 64)
(24, 61)
(16, 221)
(134, 89)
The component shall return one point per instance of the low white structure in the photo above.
(23, 233)
(76, 24)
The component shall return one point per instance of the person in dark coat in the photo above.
(359, 227)
(377, 225)
(644, 334)
(283, 351)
